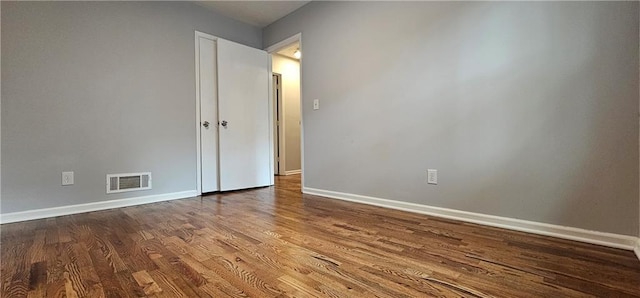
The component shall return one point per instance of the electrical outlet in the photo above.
(67, 178)
(432, 176)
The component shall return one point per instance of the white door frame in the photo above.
(197, 35)
(272, 50)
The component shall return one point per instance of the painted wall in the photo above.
(99, 88)
(290, 71)
(528, 110)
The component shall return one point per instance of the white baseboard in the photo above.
(94, 206)
(293, 172)
(593, 237)
(637, 249)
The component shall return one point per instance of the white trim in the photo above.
(299, 36)
(593, 237)
(293, 172)
(94, 206)
(280, 45)
(272, 152)
(198, 152)
(637, 249)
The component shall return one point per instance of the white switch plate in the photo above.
(316, 104)
(67, 178)
(432, 176)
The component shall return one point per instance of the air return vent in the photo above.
(128, 182)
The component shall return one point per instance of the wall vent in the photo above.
(128, 182)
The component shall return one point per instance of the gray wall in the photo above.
(98, 88)
(528, 110)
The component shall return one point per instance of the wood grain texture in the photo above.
(276, 242)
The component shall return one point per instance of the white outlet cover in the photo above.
(316, 104)
(67, 178)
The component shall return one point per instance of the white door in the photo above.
(243, 110)
(208, 93)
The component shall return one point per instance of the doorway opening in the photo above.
(285, 67)
(277, 116)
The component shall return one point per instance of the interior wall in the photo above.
(99, 88)
(527, 110)
(290, 71)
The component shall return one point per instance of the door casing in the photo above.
(272, 50)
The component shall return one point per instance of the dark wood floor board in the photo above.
(108, 281)
(129, 284)
(336, 250)
(261, 266)
(15, 279)
(277, 242)
(174, 272)
(408, 283)
(53, 289)
(166, 283)
(81, 270)
(335, 288)
(298, 287)
(241, 279)
(512, 282)
(566, 253)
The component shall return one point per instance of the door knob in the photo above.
(205, 124)
(223, 123)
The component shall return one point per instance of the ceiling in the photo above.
(257, 13)
(289, 50)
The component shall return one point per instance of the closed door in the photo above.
(208, 94)
(243, 110)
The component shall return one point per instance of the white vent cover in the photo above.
(128, 182)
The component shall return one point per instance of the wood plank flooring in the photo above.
(276, 242)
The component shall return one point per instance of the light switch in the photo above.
(316, 104)
(432, 176)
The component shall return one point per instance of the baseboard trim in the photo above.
(94, 206)
(570, 233)
(637, 249)
(293, 172)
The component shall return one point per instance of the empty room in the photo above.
(319, 149)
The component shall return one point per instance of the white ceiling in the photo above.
(289, 50)
(257, 13)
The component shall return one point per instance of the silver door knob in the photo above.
(205, 124)
(223, 123)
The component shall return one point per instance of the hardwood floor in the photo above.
(276, 242)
